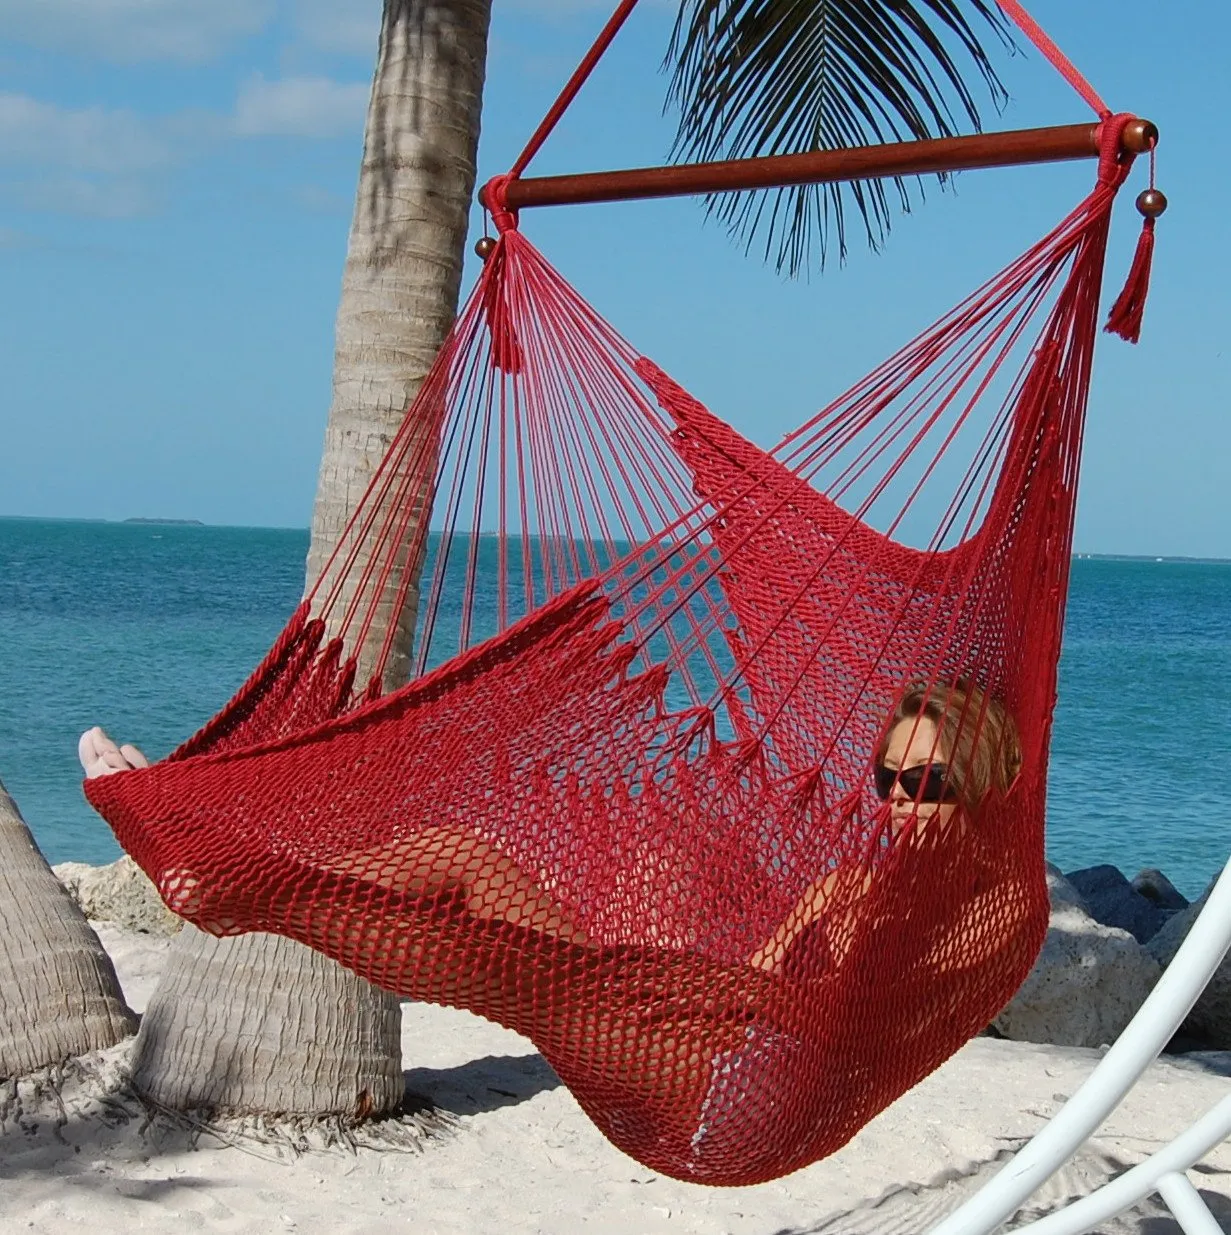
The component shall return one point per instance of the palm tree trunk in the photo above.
(59, 995)
(259, 1023)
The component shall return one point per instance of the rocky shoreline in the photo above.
(120, 893)
(1108, 942)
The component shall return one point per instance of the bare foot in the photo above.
(100, 756)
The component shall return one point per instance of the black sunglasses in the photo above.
(929, 782)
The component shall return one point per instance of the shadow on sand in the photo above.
(912, 1210)
(482, 1085)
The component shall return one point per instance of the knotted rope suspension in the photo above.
(505, 195)
(632, 812)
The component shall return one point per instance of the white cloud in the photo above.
(112, 162)
(92, 139)
(132, 30)
(346, 27)
(98, 197)
(300, 107)
(86, 160)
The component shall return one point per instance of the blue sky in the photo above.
(176, 180)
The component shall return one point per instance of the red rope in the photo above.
(1129, 308)
(677, 839)
(572, 86)
(1027, 24)
(1062, 64)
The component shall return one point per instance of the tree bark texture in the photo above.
(403, 267)
(59, 995)
(259, 1023)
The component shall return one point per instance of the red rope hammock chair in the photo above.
(585, 822)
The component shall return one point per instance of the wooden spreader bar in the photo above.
(943, 154)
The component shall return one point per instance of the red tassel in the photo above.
(1125, 316)
(506, 350)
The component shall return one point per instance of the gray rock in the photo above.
(1210, 1020)
(1088, 982)
(120, 893)
(1113, 901)
(1063, 894)
(1156, 887)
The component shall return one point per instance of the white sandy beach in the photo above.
(517, 1155)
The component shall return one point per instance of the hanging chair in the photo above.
(674, 659)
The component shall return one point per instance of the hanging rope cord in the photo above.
(573, 86)
(1058, 60)
(1125, 316)
(1111, 175)
(675, 851)
(383, 564)
(1015, 11)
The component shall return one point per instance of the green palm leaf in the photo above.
(761, 77)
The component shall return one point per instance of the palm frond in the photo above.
(761, 77)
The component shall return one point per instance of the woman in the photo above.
(708, 1082)
(944, 750)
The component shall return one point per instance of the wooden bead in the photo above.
(1151, 203)
(1139, 136)
(485, 246)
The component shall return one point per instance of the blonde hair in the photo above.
(977, 736)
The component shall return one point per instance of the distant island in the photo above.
(175, 522)
(1179, 559)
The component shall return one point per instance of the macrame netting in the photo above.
(675, 655)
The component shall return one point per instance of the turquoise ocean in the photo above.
(147, 629)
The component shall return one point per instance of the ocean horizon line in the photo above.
(1193, 559)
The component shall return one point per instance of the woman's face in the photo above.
(913, 743)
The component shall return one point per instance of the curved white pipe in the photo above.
(1149, 1031)
(1161, 1172)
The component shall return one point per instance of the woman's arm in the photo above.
(807, 909)
(835, 897)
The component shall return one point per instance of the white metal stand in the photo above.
(1146, 1035)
